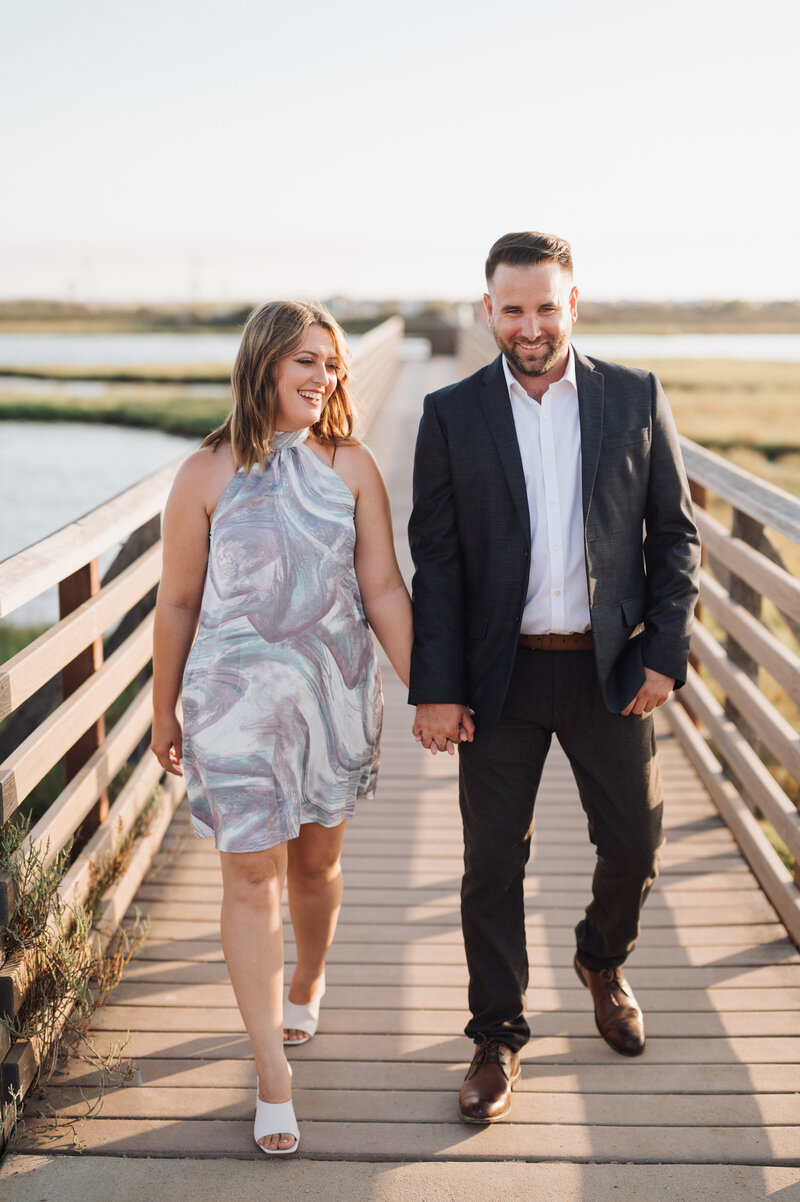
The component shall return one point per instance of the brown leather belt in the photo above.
(557, 642)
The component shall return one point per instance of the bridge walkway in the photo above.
(715, 972)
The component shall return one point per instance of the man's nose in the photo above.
(530, 327)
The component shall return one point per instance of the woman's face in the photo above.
(306, 380)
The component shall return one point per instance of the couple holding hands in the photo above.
(555, 579)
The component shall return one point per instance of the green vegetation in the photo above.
(191, 416)
(69, 977)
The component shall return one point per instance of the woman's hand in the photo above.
(167, 743)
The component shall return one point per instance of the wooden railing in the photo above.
(738, 736)
(734, 723)
(56, 692)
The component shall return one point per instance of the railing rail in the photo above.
(56, 692)
(738, 736)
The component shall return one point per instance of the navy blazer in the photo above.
(470, 537)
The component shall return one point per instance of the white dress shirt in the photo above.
(549, 437)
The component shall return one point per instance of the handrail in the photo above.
(731, 730)
(65, 666)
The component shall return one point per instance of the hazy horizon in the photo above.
(200, 151)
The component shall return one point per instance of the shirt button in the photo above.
(556, 547)
(557, 592)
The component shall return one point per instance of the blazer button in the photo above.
(526, 554)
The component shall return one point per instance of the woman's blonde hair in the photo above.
(274, 330)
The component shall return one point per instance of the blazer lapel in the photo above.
(500, 419)
(591, 391)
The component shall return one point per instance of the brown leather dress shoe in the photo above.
(616, 1011)
(486, 1093)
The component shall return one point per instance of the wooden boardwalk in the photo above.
(716, 975)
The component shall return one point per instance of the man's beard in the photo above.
(553, 354)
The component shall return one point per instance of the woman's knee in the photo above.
(315, 856)
(314, 870)
(251, 876)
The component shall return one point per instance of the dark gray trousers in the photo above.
(614, 763)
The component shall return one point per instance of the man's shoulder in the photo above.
(614, 371)
(462, 390)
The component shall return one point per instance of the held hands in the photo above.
(166, 743)
(440, 727)
(654, 692)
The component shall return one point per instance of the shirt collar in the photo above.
(569, 376)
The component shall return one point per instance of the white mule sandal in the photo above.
(302, 1018)
(275, 1119)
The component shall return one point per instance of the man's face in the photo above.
(531, 311)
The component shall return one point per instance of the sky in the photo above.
(243, 149)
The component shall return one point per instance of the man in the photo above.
(556, 560)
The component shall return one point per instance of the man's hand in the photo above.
(440, 727)
(654, 692)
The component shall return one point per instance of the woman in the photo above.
(277, 546)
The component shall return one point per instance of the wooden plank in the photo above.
(26, 766)
(433, 1106)
(73, 591)
(769, 725)
(21, 676)
(772, 581)
(65, 814)
(778, 1145)
(27, 574)
(764, 502)
(762, 789)
(187, 972)
(773, 876)
(618, 1076)
(561, 1018)
(771, 653)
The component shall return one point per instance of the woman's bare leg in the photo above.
(252, 940)
(315, 898)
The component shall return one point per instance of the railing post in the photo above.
(751, 532)
(699, 495)
(72, 592)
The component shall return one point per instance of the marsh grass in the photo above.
(70, 977)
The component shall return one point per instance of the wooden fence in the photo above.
(56, 692)
(738, 714)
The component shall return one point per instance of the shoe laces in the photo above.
(488, 1052)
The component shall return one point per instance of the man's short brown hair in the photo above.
(526, 248)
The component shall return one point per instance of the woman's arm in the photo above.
(185, 558)
(383, 592)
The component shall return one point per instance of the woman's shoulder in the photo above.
(352, 461)
(206, 473)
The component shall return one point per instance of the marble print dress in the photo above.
(282, 697)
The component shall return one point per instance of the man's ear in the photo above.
(573, 303)
(487, 304)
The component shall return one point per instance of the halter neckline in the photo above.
(284, 439)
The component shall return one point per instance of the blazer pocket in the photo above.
(477, 624)
(625, 438)
(633, 610)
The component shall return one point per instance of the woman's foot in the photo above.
(271, 1115)
(275, 1126)
(301, 1009)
